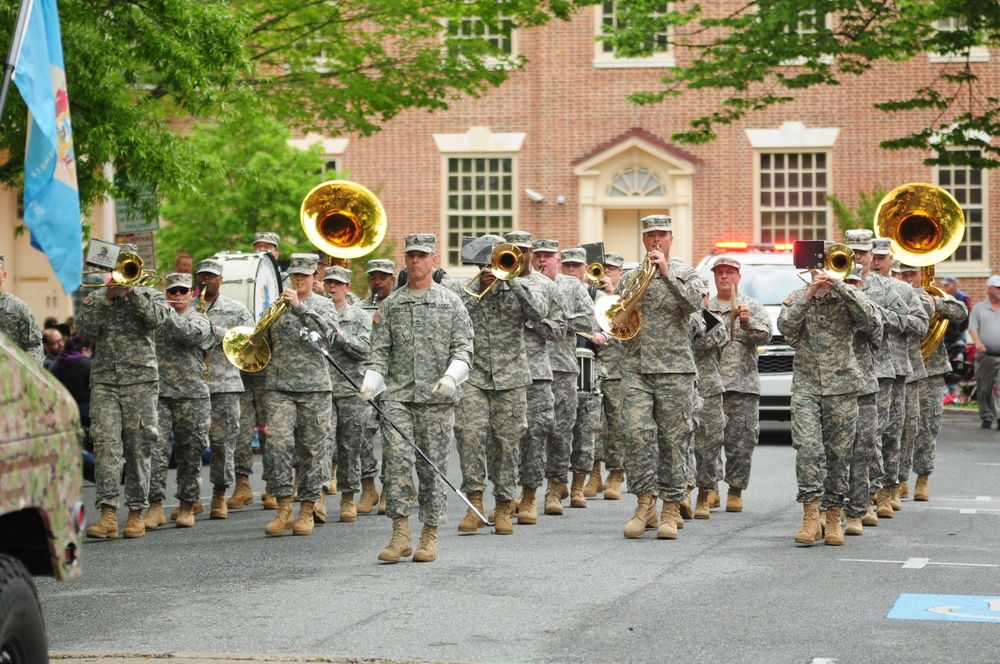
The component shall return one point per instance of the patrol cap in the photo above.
(574, 255)
(303, 264)
(337, 273)
(949, 280)
(895, 266)
(859, 239)
(614, 259)
(545, 246)
(725, 260)
(425, 242)
(881, 245)
(994, 281)
(519, 239)
(268, 237)
(381, 265)
(657, 222)
(903, 267)
(855, 274)
(178, 280)
(209, 265)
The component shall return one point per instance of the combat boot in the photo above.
(734, 500)
(197, 509)
(563, 490)
(242, 494)
(652, 521)
(369, 496)
(685, 507)
(854, 526)
(834, 535)
(304, 524)
(154, 516)
(921, 491)
(333, 480)
(637, 524)
(553, 503)
(348, 510)
(894, 499)
(107, 526)
(319, 509)
(134, 527)
(185, 516)
(811, 532)
(283, 520)
(613, 489)
(527, 510)
(270, 502)
(594, 485)
(471, 522)
(702, 508)
(381, 501)
(577, 499)
(904, 490)
(427, 546)
(716, 499)
(401, 544)
(503, 525)
(870, 518)
(219, 509)
(668, 521)
(884, 510)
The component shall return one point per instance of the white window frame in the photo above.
(608, 60)
(979, 267)
(493, 62)
(760, 209)
(799, 29)
(976, 53)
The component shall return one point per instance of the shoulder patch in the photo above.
(377, 317)
(787, 301)
(88, 300)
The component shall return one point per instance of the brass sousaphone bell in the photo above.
(342, 219)
(924, 225)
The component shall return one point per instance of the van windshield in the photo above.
(770, 284)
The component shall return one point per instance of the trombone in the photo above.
(595, 272)
(838, 262)
(128, 272)
(506, 263)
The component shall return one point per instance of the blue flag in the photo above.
(51, 197)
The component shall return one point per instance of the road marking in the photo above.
(987, 499)
(967, 608)
(988, 464)
(966, 511)
(960, 510)
(977, 499)
(916, 563)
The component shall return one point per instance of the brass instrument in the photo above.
(344, 220)
(925, 225)
(595, 271)
(128, 272)
(617, 314)
(838, 262)
(507, 263)
(201, 308)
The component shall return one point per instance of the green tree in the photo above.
(746, 54)
(137, 72)
(863, 216)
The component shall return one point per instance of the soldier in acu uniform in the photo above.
(224, 382)
(184, 408)
(422, 350)
(122, 322)
(17, 321)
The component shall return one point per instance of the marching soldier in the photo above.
(122, 322)
(710, 419)
(422, 350)
(492, 415)
(911, 420)
(348, 428)
(658, 383)
(299, 400)
(184, 407)
(17, 321)
(751, 327)
(224, 383)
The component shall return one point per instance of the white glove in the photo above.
(366, 394)
(445, 388)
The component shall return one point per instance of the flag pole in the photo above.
(20, 27)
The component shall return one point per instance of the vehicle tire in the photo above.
(22, 628)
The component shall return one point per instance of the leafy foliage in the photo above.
(766, 51)
(863, 216)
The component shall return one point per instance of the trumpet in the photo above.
(128, 272)
(595, 271)
(506, 264)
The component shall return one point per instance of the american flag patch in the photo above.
(377, 317)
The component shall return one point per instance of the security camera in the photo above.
(534, 195)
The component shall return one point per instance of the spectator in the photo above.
(984, 328)
(949, 285)
(52, 344)
(184, 263)
(72, 367)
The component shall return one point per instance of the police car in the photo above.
(768, 275)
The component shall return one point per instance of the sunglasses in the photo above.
(180, 290)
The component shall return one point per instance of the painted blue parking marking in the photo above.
(968, 608)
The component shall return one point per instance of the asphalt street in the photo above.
(922, 587)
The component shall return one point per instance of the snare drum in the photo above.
(586, 379)
(251, 279)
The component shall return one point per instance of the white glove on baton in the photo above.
(445, 388)
(371, 386)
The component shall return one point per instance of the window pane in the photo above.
(791, 197)
(480, 201)
(966, 185)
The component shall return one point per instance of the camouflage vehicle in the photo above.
(41, 513)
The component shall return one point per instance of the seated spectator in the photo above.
(52, 344)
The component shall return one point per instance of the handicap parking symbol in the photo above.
(968, 608)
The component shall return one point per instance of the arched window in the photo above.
(635, 182)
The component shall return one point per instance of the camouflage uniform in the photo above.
(562, 450)
(298, 397)
(184, 408)
(709, 435)
(18, 323)
(369, 464)
(825, 383)
(123, 390)
(350, 417)
(741, 400)
(253, 415)
(226, 387)
(538, 336)
(608, 444)
(659, 385)
(414, 340)
(492, 415)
